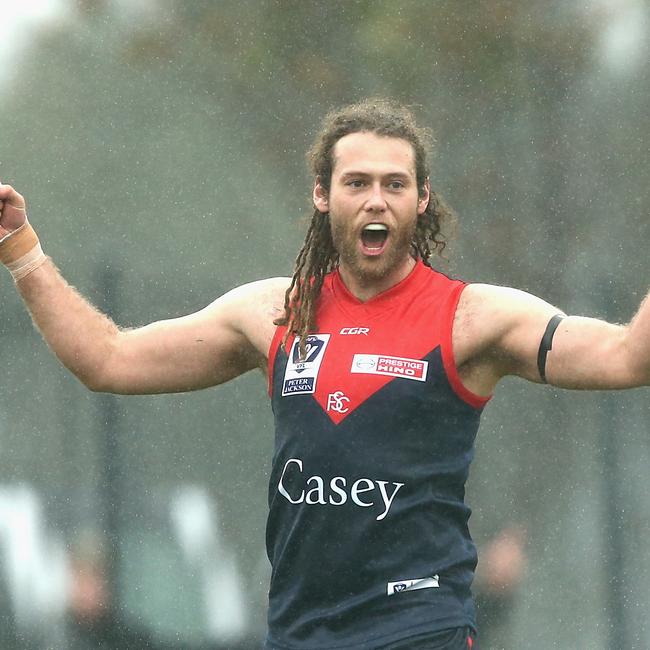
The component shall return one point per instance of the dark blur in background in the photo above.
(160, 145)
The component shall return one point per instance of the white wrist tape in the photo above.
(21, 252)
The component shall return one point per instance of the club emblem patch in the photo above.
(301, 374)
(393, 588)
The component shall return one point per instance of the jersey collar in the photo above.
(343, 294)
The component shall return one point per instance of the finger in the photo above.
(6, 190)
(9, 197)
(13, 214)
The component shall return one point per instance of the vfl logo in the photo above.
(313, 346)
(301, 374)
(337, 402)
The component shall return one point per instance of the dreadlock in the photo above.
(318, 257)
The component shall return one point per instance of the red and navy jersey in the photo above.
(367, 530)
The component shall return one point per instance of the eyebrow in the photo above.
(401, 175)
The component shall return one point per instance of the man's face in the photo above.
(373, 204)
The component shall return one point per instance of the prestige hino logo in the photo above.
(315, 490)
(379, 364)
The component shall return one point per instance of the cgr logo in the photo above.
(337, 402)
(355, 330)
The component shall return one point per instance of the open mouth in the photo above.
(374, 236)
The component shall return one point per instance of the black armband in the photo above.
(546, 344)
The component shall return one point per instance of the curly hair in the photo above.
(318, 256)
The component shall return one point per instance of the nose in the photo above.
(375, 201)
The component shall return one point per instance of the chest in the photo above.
(357, 353)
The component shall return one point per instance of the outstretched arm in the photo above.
(591, 354)
(504, 328)
(222, 341)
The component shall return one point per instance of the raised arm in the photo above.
(222, 341)
(500, 330)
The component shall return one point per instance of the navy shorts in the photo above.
(459, 638)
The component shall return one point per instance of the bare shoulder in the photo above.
(252, 308)
(483, 314)
(500, 304)
(268, 293)
(497, 328)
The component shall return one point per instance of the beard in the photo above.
(372, 268)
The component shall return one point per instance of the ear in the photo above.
(423, 201)
(320, 197)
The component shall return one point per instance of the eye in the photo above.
(396, 185)
(355, 183)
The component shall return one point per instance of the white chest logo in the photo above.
(338, 402)
(393, 588)
(355, 330)
(301, 374)
(318, 491)
(378, 364)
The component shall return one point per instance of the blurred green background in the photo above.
(160, 145)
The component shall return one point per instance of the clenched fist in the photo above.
(20, 250)
(12, 210)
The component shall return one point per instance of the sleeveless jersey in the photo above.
(367, 531)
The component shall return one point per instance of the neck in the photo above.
(366, 286)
